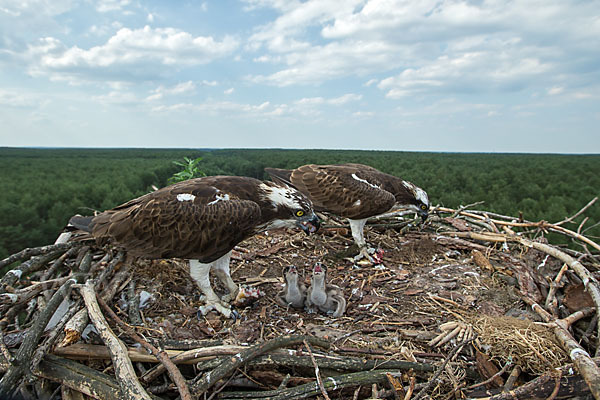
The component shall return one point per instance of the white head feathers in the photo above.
(281, 195)
(419, 193)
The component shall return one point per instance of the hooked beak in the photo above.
(310, 224)
(424, 214)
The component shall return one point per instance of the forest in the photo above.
(41, 188)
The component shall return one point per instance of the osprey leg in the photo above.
(357, 227)
(221, 269)
(200, 273)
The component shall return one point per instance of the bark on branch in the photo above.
(228, 366)
(131, 387)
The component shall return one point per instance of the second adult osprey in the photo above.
(353, 191)
(202, 220)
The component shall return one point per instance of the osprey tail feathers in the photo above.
(81, 222)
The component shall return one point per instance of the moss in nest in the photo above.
(531, 346)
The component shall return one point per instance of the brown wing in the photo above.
(347, 190)
(189, 220)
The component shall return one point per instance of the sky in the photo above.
(411, 75)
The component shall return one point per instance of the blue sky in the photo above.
(422, 75)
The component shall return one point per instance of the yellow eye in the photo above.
(299, 213)
(423, 207)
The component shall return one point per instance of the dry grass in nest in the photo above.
(531, 346)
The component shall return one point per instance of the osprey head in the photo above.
(290, 271)
(319, 269)
(419, 200)
(291, 208)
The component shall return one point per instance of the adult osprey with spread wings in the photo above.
(353, 191)
(202, 220)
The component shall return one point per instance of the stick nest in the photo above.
(531, 346)
(458, 268)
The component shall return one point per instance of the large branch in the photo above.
(582, 360)
(36, 251)
(539, 225)
(230, 365)
(174, 372)
(34, 264)
(589, 282)
(10, 380)
(80, 378)
(570, 383)
(131, 387)
(311, 389)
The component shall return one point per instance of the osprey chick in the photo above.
(202, 220)
(326, 297)
(353, 191)
(294, 292)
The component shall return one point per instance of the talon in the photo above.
(216, 306)
(364, 254)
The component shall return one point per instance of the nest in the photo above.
(456, 268)
(531, 346)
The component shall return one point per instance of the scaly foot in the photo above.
(364, 256)
(369, 255)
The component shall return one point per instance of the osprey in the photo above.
(202, 220)
(355, 192)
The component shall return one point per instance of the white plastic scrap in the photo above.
(145, 299)
(543, 263)
(16, 272)
(12, 297)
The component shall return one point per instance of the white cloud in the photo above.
(332, 61)
(347, 98)
(184, 87)
(19, 99)
(102, 30)
(297, 16)
(480, 71)
(179, 89)
(225, 108)
(302, 108)
(336, 101)
(229, 91)
(209, 83)
(111, 5)
(363, 114)
(127, 54)
(556, 90)
(450, 107)
(428, 46)
(21, 8)
(582, 95)
(118, 97)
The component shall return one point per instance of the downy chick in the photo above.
(327, 298)
(294, 292)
